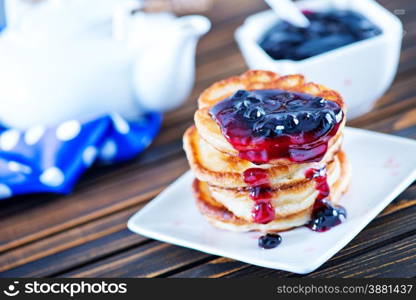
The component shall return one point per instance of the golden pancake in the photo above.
(210, 131)
(222, 218)
(223, 170)
(285, 191)
(286, 200)
(217, 214)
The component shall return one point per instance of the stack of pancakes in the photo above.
(223, 196)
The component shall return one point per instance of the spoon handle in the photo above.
(288, 11)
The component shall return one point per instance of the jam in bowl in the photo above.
(328, 30)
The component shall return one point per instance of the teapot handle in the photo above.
(121, 17)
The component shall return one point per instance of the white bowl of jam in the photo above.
(356, 54)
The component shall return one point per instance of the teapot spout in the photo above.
(164, 73)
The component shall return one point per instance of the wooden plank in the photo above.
(150, 260)
(216, 268)
(400, 124)
(396, 220)
(51, 254)
(224, 11)
(70, 249)
(84, 248)
(77, 256)
(390, 226)
(87, 203)
(396, 259)
(222, 30)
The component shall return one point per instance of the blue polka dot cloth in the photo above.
(51, 159)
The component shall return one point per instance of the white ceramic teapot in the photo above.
(62, 60)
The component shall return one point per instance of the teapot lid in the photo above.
(63, 19)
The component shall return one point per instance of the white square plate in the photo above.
(382, 165)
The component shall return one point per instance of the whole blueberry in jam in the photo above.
(270, 241)
(327, 216)
(328, 30)
(268, 124)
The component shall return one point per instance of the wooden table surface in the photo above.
(84, 234)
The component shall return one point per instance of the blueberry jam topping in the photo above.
(324, 214)
(272, 124)
(328, 30)
(270, 241)
(261, 193)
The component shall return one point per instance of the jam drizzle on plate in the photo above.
(269, 241)
(324, 214)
